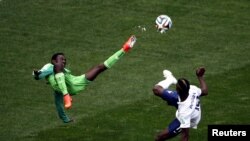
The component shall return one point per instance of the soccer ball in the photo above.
(163, 23)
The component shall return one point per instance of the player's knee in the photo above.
(157, 90)
(101, 67)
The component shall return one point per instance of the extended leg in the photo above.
(172, 131)
(161, 89)
(161, 86)
(95, 71)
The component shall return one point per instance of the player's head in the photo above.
(182, 86)
(58, 58)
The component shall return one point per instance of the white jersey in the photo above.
(189, 111)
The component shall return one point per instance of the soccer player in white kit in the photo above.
(186, 99)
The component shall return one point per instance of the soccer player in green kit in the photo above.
(66, 85)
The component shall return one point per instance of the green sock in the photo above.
(114, 58)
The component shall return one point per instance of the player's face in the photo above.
(61, 60)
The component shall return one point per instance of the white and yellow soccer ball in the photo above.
(163, 23)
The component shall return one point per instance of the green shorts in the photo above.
(75, 84)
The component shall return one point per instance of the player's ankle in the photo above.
(126, 48)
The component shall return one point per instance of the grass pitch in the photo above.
(120, 105)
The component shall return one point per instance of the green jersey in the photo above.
(74, 84)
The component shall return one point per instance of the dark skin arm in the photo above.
(200, 75)
(184, 134)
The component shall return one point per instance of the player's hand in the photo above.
(36, 74)
(200, 71)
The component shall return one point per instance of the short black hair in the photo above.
(54, 56)
(184, 85)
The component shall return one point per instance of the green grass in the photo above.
(120, 105)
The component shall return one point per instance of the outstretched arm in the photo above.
(200, 75)
(43, 72)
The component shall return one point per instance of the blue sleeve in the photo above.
(60, 109)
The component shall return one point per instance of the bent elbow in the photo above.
(204, 92)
